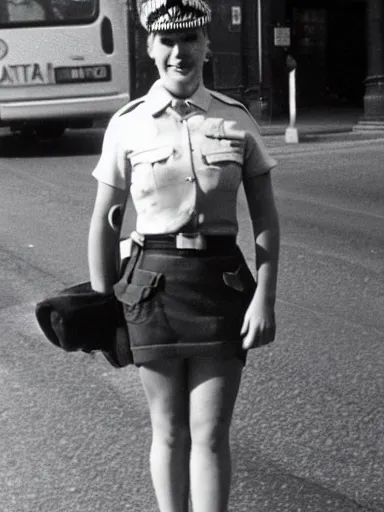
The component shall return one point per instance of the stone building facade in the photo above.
(338, 46)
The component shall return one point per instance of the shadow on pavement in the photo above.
(72, 143)
(278, 489)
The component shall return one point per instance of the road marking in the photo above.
(320, 148)
(363, 262)
(22, 172)
(340, 319)
(310, 200)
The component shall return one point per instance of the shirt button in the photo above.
(176, 154)
(190, 179)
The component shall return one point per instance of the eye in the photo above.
(167, 41)
(191, 38)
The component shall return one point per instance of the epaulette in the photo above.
(229, 101)
(129, 107)
(234, 103)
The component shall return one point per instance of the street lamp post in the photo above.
(260, 41)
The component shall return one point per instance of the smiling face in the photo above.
(179, 58)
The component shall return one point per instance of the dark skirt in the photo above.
(186, 303)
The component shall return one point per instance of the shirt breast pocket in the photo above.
(222, 163)
(146, 164)
(221, 152)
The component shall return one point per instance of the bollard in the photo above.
(291, 133)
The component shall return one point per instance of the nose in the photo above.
(179, 50)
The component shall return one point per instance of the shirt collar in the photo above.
(158, 98)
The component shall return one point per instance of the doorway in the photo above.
(347, 53)
(329, 45)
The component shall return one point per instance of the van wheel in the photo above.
(26, 132)
(27, 135)
(49, 131)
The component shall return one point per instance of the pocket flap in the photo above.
(134, 294)
(146, 278)
(223, 156)
(151, 156)
(143, 283)
(223, 150)
(241, 280)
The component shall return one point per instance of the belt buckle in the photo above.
(191, 241)
(125, 248)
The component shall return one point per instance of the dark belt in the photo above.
(211, 243)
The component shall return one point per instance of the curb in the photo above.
(307, 136)
(271, 130)
(312, 147)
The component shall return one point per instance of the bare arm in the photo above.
(259, 323)
(266, 231)
(103, 239)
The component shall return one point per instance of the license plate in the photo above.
(21, 75)
(83, 74)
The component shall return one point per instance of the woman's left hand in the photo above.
(259, 325)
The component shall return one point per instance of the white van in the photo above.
(62, 63)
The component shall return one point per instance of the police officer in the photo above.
(192, 308)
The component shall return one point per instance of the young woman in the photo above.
(191, 305)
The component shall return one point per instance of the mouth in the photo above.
(181, 68)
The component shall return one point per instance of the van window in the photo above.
(16, 13)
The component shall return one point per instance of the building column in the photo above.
(374, 83)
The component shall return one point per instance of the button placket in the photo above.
(192, 179)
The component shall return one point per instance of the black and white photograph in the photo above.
(192, 255)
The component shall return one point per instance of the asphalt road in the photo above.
(308, 433)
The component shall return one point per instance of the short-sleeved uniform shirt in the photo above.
(183, 169)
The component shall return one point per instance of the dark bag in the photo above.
(78, 318)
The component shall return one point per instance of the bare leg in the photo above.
(213, 385)
(165, 385)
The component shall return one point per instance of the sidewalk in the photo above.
(319, 125)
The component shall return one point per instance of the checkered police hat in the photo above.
(163, 15)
